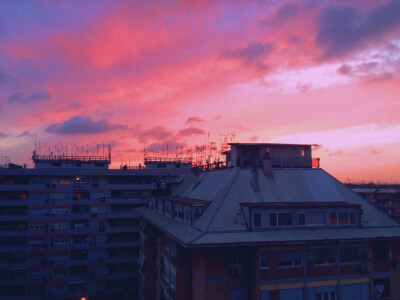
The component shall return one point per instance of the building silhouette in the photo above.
(69, 227)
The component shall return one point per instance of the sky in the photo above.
(147, 74)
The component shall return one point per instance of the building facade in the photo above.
(265, 231)
(69, 227)
(384, 196)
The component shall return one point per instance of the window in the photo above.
(257, 220)
(289, 258)
(301, 219)
(235, 260)
(280, 219)
(311, 218)
(264, 262)
(333, 217)
(60, 272)
(325, 296)
(60, 226)
(343, 217)
(315, 218)
(321, 256)
(349, 255)
(36, 227)
(187, 215)
(59, 241)
(380, 251)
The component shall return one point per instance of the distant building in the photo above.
(270, 227)
(384, 196)
(69, 227)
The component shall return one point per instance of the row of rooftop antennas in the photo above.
(4, 161)
(200, 156)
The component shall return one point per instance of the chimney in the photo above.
(267, 164)
(254, 179)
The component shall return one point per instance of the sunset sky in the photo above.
(144, 74)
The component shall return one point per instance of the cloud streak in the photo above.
(77, 125)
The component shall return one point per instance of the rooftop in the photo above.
(228, 189)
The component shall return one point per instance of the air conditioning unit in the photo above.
(237, 271)
(365, 268)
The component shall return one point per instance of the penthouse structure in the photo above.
(69, 227)
(273, 226)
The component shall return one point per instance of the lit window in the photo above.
(333, 217)
(343, 217)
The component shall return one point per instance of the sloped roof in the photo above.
(227, 188)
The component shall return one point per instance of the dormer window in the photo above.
(257, 220)
(342, 218)
(280, 219)
(311, 218)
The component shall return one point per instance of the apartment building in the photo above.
(272, 226)
(386, 197)
(69, 227)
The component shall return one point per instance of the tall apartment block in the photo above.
(272, 226)
(69, 227)
(386, 197)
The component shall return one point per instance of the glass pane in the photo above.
(301, 218)
(285, 219)
(333, 217)
(343, 217)
(264, 259)
(257, 220)
(272, 219)
(325, 256)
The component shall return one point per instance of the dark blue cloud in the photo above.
(342, 29)
(83, 125)
(251, 54)
(22, 98)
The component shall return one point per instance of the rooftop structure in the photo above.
(265, 230)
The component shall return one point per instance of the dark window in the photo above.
(364, 254)
(325, 256)
(301, 219)
(325, 296)
(289, 258)
(350, 255)
(264, 261)
(257, 220)
(380, 251)
(321, 256)
(284, 219)
(273, 219)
